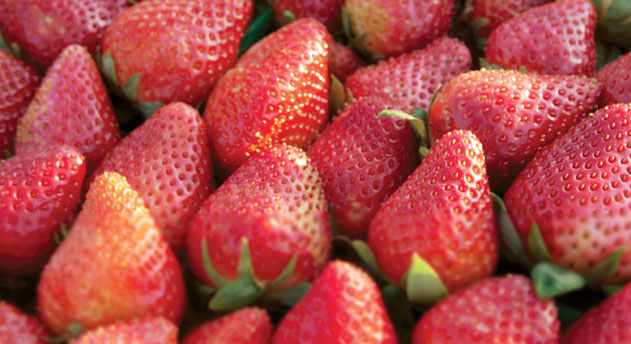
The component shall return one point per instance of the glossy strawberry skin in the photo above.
(277, 93)
(411, 79)
(616, 81)
(557, 38)
(362, 160)
(17, 327)
(577, 190)
(246, 326)
(344, 305)
(443, 213)
(495, 311)
(513, 114)
(39, 191)
(328, 12)
(342, 60)
(499, 11)
(156, 330)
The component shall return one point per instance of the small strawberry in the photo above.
(114, 265)
(342, 60)
(71, 107)
(343, 306)
(556, 38)
(328, 12)
(157, 330)
(39, 192)
(489, 14)
(247, 326)
(616, 81)
(499, 310)
(19, 328)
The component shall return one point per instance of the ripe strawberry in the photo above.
(491, 13)
(513, 114)
(616, 81)
(17, 327)
(343, 306)
(113, 266)
(71, 107)
(167, 161)
(277, 93)
(163, 51)
(362, 160)
(342, 60)
(556, 38)
(247, 326)
(328, 12)
(410, 80)
(157, 330)
(39, 191)
(495, 311)
(443, 214)
(577, 190)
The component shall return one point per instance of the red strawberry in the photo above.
(167, 161)
(114, 265)
(163, 51)
(499, 310)
(71, 107)
(577, 190)
(513, 114)
(411, 79)
(491, 13)
(328, 12)
(39, 191)
(616, 81)
(342, 60)
(556, 38)
(146, 331)
(343, 306)
(17, 327)
(18, 83)
(362, 160)
(443, 214)
(277, 93)
(247, 326)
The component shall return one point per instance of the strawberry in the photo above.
(556, 38)
(489, 14)
(114, 265)
(343, 306)
(513, 114)
(392, 27)
(342, 60)
(39, 192)
(362, 160)
(616, 81)
(17, 327)
(442, 214)
(167, 161)
(247, 326)
(163, 51)
(277, 93)
(157, 330)
(410, 80)
(495, 311)
(71, 107)
(328, 12)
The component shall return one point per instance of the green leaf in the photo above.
(61, 234)
(512, 246)
(149, 108)
(130, 88)
(537, 245)
(337, 96)
(108, 69)
(485, 64)
(235, 295)
(567, 314)
(205, 290)
(8, 154)
(619, 10)
(4, 46)
(399, 312)
(367, 256)
(480, 43)
(290, 296)
(259, 28)
(479, 24)
(551, 280)
(422, 283)
(606, 268)
(245, 268)
(417, 124)
(284, 276)
(212, 274)
(432, 100)
(346, 24)
(288, 17)
(55, 340)
(611, 289)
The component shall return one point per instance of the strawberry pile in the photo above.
(315, 171)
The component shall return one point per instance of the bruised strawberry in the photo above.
(17, 327)
(342, 60)
(616, 81)
(328, 12)
(247, 326)
(157, 330)
(489, 14)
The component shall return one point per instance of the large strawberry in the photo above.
(499, 310)
(167, 161)
(489, 14)
(410, 80)
(163, 51)
(277, 93)
(247, 326)
(156, 330)
(19, 328)
(329, 12)
(71, 107)
(39, 192)
(556, 38)
(342, 60)
(113, 265)
(616, 81)
(513, 114)
(343, 306)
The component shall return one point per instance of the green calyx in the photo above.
(61, 234)
(614, 22)
(422, 284)
(262, 24)
(399, 311)
(8, 154)
(551, 280)
(511, 246)
(9, 47)
(484, 64)
(339, 96)
(288, 17)
(73, 331)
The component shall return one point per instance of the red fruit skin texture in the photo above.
(328, 12)
(608, 323)
(43, 28)
(71, 107)
(616, 81)
(499, 310)
(411, 79)
(577, 189)
(277, 93)
(39, 191)
(556, 38)
(443, 213)
(344, 305)
(499, 11)
(246, 326)
(275, 201)
(513, 114)
(394, 27)
(18, 83)
(181, 47)
(167, 161)
(362, 160)
(17, 327)
(114, 265)
(157, 330)
(342, 60)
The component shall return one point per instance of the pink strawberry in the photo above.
(247, 326)
(342, 60)
(616, 81)
(489, 14)
(17, 327)
(157, 330)
(328, 12)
